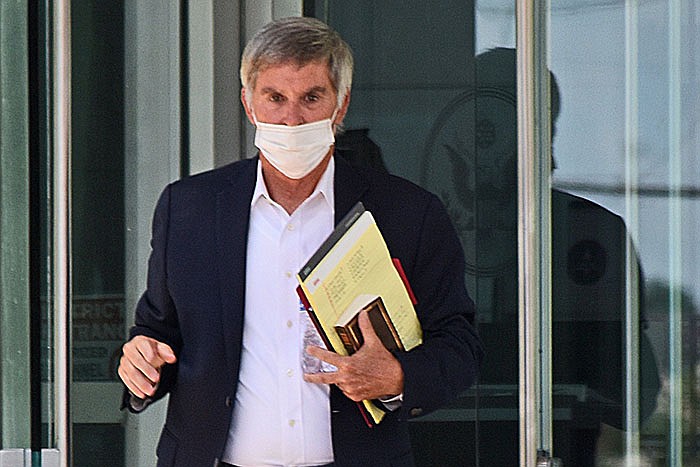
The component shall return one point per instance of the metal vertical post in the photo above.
(528, 242)
(534, 231)
(61, 224)
(632, 299)
(675, 244)
(543, 172)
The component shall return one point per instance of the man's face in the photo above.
(291, 95)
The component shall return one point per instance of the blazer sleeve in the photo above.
(448, 360)
(155, 315)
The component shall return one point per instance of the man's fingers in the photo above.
(154, 352)
(139, 357)
(321, 378)
(369, 373)
(134, 379)
(140, 365)
(325, 355)
(166, 353)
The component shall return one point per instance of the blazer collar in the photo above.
(349, 187)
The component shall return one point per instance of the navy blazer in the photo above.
(194, 302)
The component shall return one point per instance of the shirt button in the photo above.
(292, 423)
(290, 227)
(290, 372)
(288, 274)
(290, 324)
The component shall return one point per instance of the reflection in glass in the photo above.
(448, 123)
(97, 231)
(470, 161)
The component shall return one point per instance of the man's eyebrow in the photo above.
(312, 90)
(317, 90)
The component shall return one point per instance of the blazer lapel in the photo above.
(349, 186)
(232, 220)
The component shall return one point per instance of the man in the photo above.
(219, 327)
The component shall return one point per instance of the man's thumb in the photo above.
(368, 332)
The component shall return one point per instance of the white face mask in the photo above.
(294, 150)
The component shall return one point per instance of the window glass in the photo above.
(425, 109)
(625, 216)
(439, 107)
(15, 349)
(97, 230)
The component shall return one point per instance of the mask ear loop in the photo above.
(333, 124)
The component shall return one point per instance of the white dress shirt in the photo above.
(278, 418)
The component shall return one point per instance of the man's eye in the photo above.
(276, 98)
(312, 98)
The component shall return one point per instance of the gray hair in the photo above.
(299, 40)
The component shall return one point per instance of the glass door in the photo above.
(434, 101)
(28, 428)
(97, 226)
(62, 229)
(625, 213)
(15, 321)
(609, 88)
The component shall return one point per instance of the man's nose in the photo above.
(294, 115)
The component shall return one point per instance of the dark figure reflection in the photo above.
(471, 163)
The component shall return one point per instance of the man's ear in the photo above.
(343, 110)
(248, 110)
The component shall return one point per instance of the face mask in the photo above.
(294, 150)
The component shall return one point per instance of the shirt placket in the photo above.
(291, 397)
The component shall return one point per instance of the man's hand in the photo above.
(140, 365)
(370, 373)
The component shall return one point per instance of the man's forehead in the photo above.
(295, 66)
(312, 76)
(291, 62)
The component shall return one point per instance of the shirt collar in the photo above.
(323, 188)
